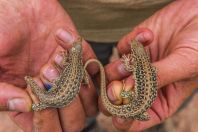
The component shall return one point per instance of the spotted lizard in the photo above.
(66, 87)
(145, 88)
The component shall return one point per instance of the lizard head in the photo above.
(77, 46)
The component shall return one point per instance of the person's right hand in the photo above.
(28, 47)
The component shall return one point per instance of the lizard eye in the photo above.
(73, 49)
(76, 48)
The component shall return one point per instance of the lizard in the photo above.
(145, 88)
(66, 87)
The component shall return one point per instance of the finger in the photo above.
(114, 90)
(142, 35)
(116, 70)
(121, 124)
(72, 117)
(177, 67)
(51, 70)
(69, 120)
(48, 74)
(88, 95)
(89, 98)
(44, 120)
(13, 98)
(60, 60)
(37, 121)
(65, 38)
(22, 119)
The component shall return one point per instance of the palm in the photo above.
(28, 39)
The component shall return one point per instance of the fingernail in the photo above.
(113, 91)
(65, 36)
(58, 59)
(18, 104)
(129, 84)
(143, 37)
(47, 86)
(111, 94)
(121, 69)
(50, 73)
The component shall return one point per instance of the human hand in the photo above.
(170, 36)
(27, 44)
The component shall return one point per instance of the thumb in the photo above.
(13, 98)
(177, 66)
(114, 90)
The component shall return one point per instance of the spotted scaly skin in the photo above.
(145, 89)
(66, 87)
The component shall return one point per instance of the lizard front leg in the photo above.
(127, 60)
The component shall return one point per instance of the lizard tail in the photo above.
(105, 100)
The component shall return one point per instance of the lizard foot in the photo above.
(127, 59)
(126, 94)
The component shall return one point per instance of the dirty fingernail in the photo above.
(58, 59)
(143, 37)
(50, 73)
(47, 86)
(121, 69)
(65, 36)
(113, 91)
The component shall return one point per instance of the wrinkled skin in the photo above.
(170, 35)
(27, 42)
